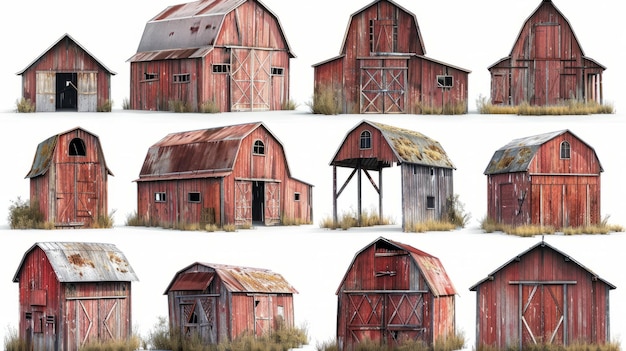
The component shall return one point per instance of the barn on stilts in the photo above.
(541, 297)
(72, 294)
(426, 169)
(393, 293)
(546, 65)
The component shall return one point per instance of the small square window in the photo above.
(296, 197)
(221, 68)
(182, 78)
(193, 197)
(430, 202)
(149, 76)
(277, 71)
(159, 197)
(444, 81)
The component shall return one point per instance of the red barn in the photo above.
(226, 175)
(541, 296)
(394, 293)
(382, 67)
(67, 77)
(547, 65)
(550, 179)
(69, 179)
(426, 169)
(72, 294)
(229, 53)
(221, 302)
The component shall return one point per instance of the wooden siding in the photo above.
(509, 198)
(582, 299)
(546, 65)
(66, 56)
(418, 184)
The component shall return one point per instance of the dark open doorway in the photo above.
(67, 91)
(258, 200)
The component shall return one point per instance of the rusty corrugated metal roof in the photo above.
(192, 281)
(45, 154)
(204, 153)
(236, 279)
(187, 30)
(85, 262)
(540, 246)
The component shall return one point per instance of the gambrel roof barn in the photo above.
(550, 179)
(234, 174)
(426, 169)
(230, 54)
(67, 77)
(547, 65)
(382, 67)
(541, 296)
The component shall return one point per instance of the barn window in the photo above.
(77, 147)
(259, 148)
(296, 197)
(430, 202)
(277, 71)
(150, 76)
(565, 150)
(432, 171)
(366, 139)
(445, 81)
(280, 310)
(159, 197)
(182, 78)
(193, 197)
(221, 68)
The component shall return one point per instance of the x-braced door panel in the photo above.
(250, 79)
(542, 314)
(243, 202)
(383, 89)
(272, 203)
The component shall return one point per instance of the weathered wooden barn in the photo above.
(221, 302)
(231, 54)
(426, 169)
(66, 77)
(235, 174)
(550, 179)
(547, 65)
(72, 294)
(382, 67)
(69, 179)
(541, 296)
(393, 293)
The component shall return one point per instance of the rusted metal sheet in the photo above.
(542, 296)
(230, 300)
(382, 67)
(393, 292)
(548, 179)
(69, 178)
(547, 65)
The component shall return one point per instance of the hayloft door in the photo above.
(243, 202)
(383, 85)
(250, 80)
(272, 203)
(87, 91)
(46, 92)
(543, 313)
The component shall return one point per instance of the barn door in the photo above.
(364, 314)
(404, 318)
(499, 91)
(382, 89)
(508, 204)
(250, 80)
(543, 314)
(87, 91)
(262, 314)
(272, 203)
(243, 202)
(198, 318)
(46, 91)
(93, 319)
(76, 193)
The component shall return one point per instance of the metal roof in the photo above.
(84, 262)
(517, 155)
(187, 30)
(204, 153)
(540, 245)
(234, 278)
(45, 154)
(408, 146)
(430, 267)
(77, 44)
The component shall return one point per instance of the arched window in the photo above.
(259, 148)
(77, 147)
(565, 150)
(366, 139)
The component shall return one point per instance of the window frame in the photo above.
(565, 150)
(296, 196)
(220, 68)
(149, 77)
(258, 148)
(430, 202)
(193, 201)
(445, 81)
(365, 140)
(181, 78)
(160, 196)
